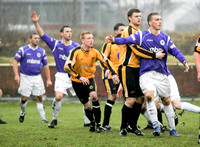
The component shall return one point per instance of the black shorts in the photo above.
(111, 88)
(129, 78)
(83, 91)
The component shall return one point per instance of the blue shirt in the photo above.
(60, 51)
(31, 60)
(153, 43)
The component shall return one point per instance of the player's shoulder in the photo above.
(75, 44)
(76, 49)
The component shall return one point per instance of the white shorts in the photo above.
(62, 83)
(31, 85)
(157, 82)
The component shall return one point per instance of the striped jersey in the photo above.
(82, 63)
(60, 51)
(197, 46)
(150, 42)
(31, 60)
(130, 55)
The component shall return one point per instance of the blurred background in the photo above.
(181, 19)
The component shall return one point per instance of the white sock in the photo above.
(190, 107)
(86, 120)
(41, 110)
(152, 112)
(161, 107)
(23, 106)
(56, 106)
(169, 112)
(145, 114)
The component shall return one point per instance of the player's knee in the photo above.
(166, 101)
(140, 100)
(93, 96)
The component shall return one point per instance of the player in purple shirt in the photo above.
(61, 49)
(32, 58)
(153, 73)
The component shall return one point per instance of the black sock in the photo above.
(107, 112)
(125, 116)
(135, 113)
(97, 111)
(159, 114)
(89, 114)
(23, 101)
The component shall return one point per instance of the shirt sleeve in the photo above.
(49, 41)
(173, 50)
(44, 59)
(19, 54)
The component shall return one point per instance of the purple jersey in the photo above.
(153, 43)
(31, 60)
(60, 51)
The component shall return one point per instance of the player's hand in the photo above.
(115, 79)
(107, 73)
(110, 39)
(198, 76)
(160, 54)
(17, 79)
(120, 92)
(35, 17)
(186, 66)
(49, 83)
(84, 80)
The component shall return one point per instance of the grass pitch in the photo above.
(70, 130)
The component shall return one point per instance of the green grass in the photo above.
(70, 130)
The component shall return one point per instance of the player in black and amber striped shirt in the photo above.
(111, 51)
(81, 65)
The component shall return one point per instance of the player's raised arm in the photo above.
(35, 19)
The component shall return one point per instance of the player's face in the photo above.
(156, 22)
(88, 40)
(135, 19)
(34, 41)
(66, 34)
(120, 30)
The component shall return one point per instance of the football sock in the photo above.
(86, 120)
(152, 112)
(159, 114)
(89, 114)
(56, 106)
(135, 113)
(190, 107)
(169, 112)
(41, 110)
(145, 114)
(125, 116)
(23, 106)
(96, 111)
(108, 111)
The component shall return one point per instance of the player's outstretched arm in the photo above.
(186, 66)
(35, 19)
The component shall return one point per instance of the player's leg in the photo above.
(111, 91)
(56, 106)
(95, 105)
(38, 90)
(86, 120)
(41, 109)
(24, 89)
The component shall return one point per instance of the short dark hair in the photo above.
(116, 27)
(131, 11)
(62, 29)
(31, 35)
(149, 17)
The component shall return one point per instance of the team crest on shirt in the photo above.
(93, 58)
(91, 87)
(38, 55)
(162, 42)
